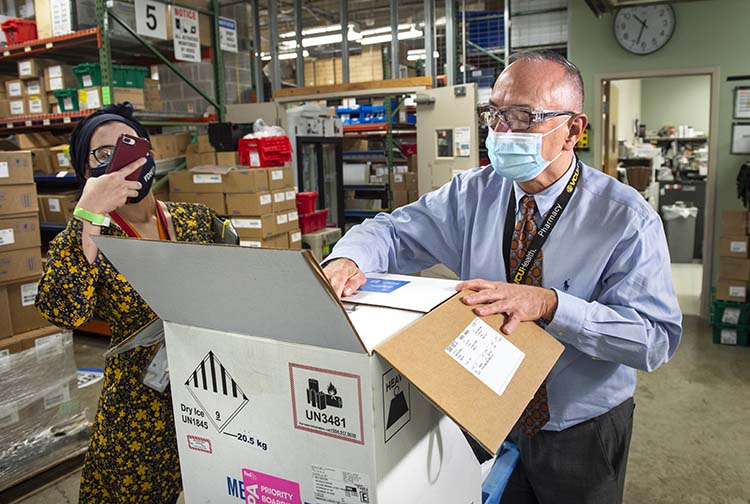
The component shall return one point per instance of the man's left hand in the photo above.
(520, 302)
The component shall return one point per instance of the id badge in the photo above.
(156, 374)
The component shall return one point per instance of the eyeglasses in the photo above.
(103, 153)
(517, 118)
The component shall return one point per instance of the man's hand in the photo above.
(344, 276)
(519, 302)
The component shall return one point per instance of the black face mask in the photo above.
(146, 177)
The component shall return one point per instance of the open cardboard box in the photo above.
(280, 391)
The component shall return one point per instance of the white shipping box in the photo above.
(287, 395)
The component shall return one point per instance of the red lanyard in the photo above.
(128, 229)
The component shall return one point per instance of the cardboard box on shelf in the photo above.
(279, 177)
(208, 158)
(249, 203)
(163, 146)
(181, 142)
(400, 198)
(411, 181)
(269, 242)
(18, 199)
(18, 264)
(228, 158)
(23, 313)
(200, 179)
(204, 145)
(6, 328)
(413, 196)
(90, 98)
(19, 232)
(295, 239)
(247, 180)
(16, 167)
(58, 77)
(17, 107)
(133, 95)
(14, 88)
(31, 68)
(734, 223)
(261, 227)
(60, 158)
(731, 268)
(281, 201)
(4, 108)
(284, 223)
(34, 87)
(356, 364)
(355, 144)
(398, 182)
(57, 207)
(27, 141)
(38, 105)
(43, 162)
(732, 290)
(214, 201)
(412, 164)
(733, 246)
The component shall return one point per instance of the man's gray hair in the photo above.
(572, 71)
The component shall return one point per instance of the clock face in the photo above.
(643, 30)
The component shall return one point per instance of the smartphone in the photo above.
(128, 148)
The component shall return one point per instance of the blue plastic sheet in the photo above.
(494, 484)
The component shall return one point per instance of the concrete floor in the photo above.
(691, 440)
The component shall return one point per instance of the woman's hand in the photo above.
(110, 191)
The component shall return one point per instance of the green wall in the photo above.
(676, 100)
(708, 33)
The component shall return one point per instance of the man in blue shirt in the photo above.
(600, 282)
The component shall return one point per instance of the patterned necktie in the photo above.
(537, 411)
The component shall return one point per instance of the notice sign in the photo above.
(187, 40)
(327, 402)
(228, 34)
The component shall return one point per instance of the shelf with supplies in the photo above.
(51, 227)
(58, 47)
(677, 139)
(365, 187)
(364, 213)
(67, 120)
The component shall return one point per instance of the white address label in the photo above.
(738, 292)
(282, 219)
(7, 236)
(247, 223)
(205, 178)
(250, 243)
(295, 237)
(57, 396)
(486, 354)
(4, 172)
(279, 197)
(731, 316)
(277, 174)
(265, 199)
(729, 336)
(53, 204)
(293, 216)
(28, 293)
(49, 346)
(738, 247)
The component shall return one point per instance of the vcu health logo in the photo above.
(217, 393)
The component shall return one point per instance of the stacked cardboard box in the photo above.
(203, 153)
(20, 241)
(734, 261)
(261, 202)
(40, 411)
(169, 146)
(27, 95)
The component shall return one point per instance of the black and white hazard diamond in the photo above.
(216, 392)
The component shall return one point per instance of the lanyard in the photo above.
(128, 229)
(542, 233)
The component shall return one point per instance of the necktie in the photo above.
(536, 413)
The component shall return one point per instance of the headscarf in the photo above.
(80, 139)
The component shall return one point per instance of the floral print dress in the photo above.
(132, 454)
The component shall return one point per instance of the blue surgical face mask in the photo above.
(518, 156)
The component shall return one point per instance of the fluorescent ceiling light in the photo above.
(315, 31)
(381, 39)
(283, 56)
(387, 29)
(438, 22)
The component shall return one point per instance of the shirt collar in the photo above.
(546, 198)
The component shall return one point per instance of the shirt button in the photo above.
(561, 333)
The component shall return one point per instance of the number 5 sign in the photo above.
(151, 19)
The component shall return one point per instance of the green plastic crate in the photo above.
(67, 99)
(726, 334)
(90, 75)
(729, 312)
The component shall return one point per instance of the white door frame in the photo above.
(710, 204)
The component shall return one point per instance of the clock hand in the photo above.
(640, 34)
(639, 19)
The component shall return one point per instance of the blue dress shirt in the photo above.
(607, 259)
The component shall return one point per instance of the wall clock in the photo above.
(644, 29)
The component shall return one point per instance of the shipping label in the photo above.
(7, 237)
(327, 402)
(337, 486)
(484, 352)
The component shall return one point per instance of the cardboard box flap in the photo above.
(421, 349)
(266, 293)
(213, 169)
(404, 292)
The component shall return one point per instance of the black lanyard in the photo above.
(542, 233)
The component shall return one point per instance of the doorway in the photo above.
(658, 137)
